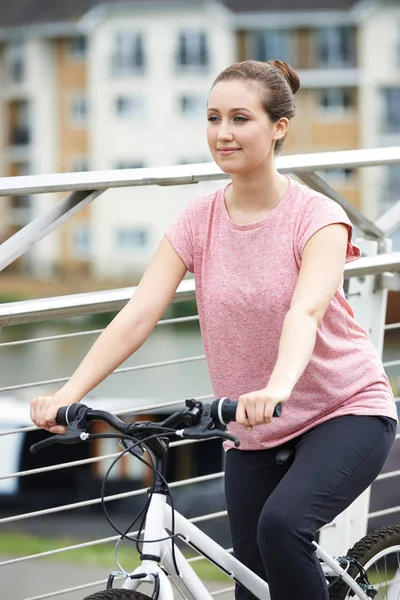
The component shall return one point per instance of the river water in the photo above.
(56, 359)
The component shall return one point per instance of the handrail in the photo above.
(186, 174)
(41, 309)
(73, 305)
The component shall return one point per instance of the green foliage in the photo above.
(101, 555)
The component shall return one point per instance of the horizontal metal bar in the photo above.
(41, 309)
(85, 503)
(373, 265)
(78, 334)
(391, 363)
(387, 475)
(114, 538)
(44, 382)
(385, 511)
(84, 461)
(186, 174)
(89, 303)
(104, 581)
(76, 588)
(392, 326)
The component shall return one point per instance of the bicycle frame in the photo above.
(159, 523)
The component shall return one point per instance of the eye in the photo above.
(240, 119)
(212, 119)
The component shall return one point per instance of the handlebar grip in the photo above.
(224, 411)
(67, 414)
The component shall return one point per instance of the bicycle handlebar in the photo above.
(223, 411)
(198, 421)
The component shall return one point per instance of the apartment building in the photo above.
(94, 85)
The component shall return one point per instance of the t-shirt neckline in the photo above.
(260, 222)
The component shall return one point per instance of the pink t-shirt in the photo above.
(245, 278)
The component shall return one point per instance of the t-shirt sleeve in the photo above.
(180, 236)
(325, 212)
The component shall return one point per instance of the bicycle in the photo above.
(163, 565)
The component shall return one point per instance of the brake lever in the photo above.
(71, 437)
(193, 433)
(75, 433)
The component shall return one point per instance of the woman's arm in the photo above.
(321, 272)
(121, 338)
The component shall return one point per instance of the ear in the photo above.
(281, 128)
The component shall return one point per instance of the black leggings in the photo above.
(275, 510)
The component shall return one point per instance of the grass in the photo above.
(14, 545)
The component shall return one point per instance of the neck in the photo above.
(257, 191)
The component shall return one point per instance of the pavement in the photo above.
(27, 580)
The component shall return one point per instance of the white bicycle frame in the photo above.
(159, 523)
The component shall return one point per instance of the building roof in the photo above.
(26, 12)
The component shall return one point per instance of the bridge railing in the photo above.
(369, 280)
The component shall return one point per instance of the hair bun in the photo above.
(288, 72)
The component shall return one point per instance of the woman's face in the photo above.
(240, 134)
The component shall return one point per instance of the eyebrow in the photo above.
(240, 108)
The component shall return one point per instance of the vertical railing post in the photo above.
(368, 299)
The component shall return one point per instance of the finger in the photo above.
(51, 414)
(241, 417)
(251, 413)
(259, 413)
(32, 410)
(268, 414)
(41, 410)
(58, 429)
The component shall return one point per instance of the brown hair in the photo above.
(276, 79)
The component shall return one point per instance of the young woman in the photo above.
(268, 255)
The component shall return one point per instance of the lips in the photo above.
(227, 151)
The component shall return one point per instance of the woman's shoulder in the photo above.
(205, 201)
(198, 210)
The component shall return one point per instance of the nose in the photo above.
(224, 132)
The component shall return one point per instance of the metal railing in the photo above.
(370, 278)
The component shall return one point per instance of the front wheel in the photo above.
(117, 595)
(379, 553)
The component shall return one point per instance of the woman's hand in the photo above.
(44, 410)
(256, 408)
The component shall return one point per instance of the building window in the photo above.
(272, 44)
(130, 164)
(80, 164)
(193, 106)
(333, 101)
(392, 188)
(78, 47)
(338, 176)
(130, 107)
(335, 47)
(17, 62)
(20, 117)
(132, 239)
(391, 110)
(128, 53)
(193, 51)
(79, 109)
(81, 242)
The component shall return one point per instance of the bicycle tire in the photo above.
(363, 551)
(117, 594)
